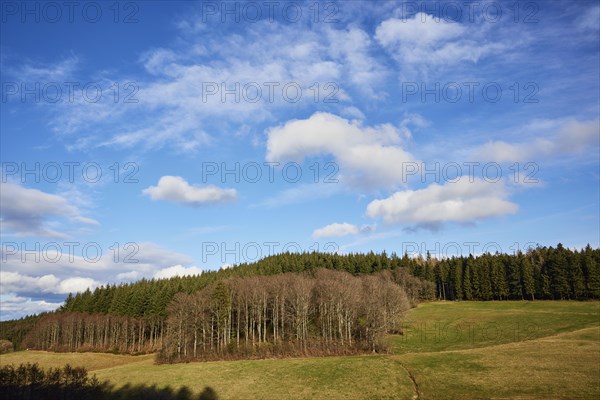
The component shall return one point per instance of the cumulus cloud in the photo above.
(177, 190)
(26, 212)
(129, 276)
(336, 230)
(177, 270)
(15, 282)
(462, 201)
(567, 138)
(367, 156)
(76, 284)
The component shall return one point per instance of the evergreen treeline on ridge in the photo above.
(542, 273)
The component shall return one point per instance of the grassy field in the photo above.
(91, 361)
(442, 326)
(465, 350)
(533, 350)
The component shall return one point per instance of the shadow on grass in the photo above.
(29, 382)
(143, 392)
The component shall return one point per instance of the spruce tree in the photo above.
(467, 279)
(499, 285)
(527, 277)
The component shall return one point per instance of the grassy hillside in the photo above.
(440, 326)
(565, 366)
(360, 377)
(527, 350)
(505, 350)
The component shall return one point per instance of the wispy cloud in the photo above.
(301, 194)
(30, 212)
(563, 138)
(423, 43)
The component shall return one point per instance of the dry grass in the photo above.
(91, 361)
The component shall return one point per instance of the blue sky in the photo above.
(153, 139)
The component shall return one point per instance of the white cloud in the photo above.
(462, 201)
(60, 71)
(26, 212)
(426, 42)
(155, 61)
(421, 30)
(367, 156)
(14, 282)
(178, 190)
(353, 112)
(177, 270)
(176, 103)
(129, 276)
(565, 138)
(352, 48)
(186, 91)
(13, 306)
(151, 256)
(180, 129)
(336, 230)
(415, 119)
(52, 273)
(59, 261)
(76, 284)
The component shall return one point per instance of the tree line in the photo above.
(76, 331)
(132, 317)
(540, 273)
(326, 312)
(543, 273)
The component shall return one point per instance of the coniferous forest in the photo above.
(296, 304)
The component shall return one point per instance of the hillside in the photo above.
(556, 357)
(134, 316)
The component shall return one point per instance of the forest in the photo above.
(289, 304)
